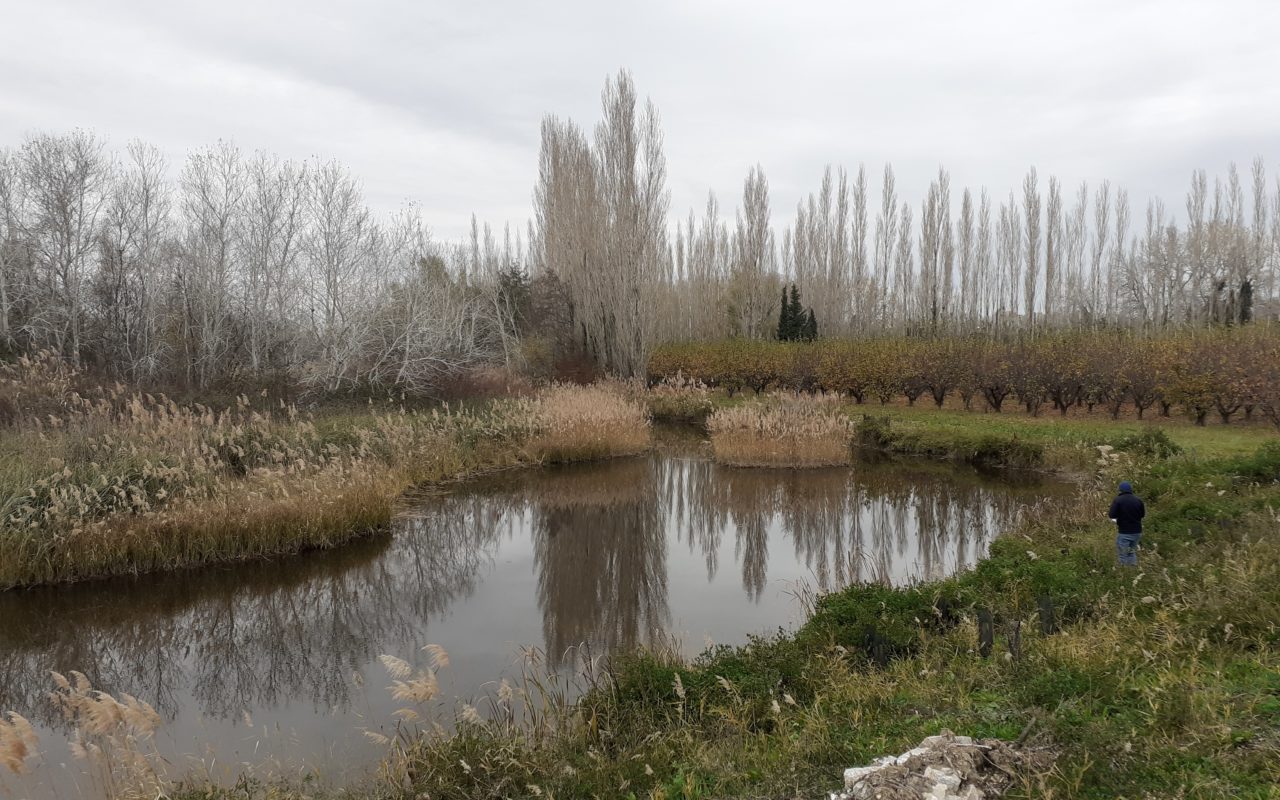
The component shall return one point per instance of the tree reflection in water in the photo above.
(890, 523)
(257, 637)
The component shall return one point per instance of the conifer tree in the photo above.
(796, 315)
(811, 327)
(785, 321)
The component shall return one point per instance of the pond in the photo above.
(272, 667)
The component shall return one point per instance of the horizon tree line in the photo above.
(1039, 258)
(249, 268)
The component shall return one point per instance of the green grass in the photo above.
(1079, 434)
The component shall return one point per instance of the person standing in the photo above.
(1127, 511)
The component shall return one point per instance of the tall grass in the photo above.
(678, 398)
(784, 430)
(578, 423)
(126, 482)
(113, 737)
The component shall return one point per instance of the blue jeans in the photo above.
(1127, 548)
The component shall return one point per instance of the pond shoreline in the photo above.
(659, 550)
(903, 663)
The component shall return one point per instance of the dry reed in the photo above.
(115, 737)
(782, 431)
(126, 482)
(580, 423)
(679, 399)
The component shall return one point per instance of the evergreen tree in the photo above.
(785, 322)
(1246, 302)
(796, 315)
(811, 327)
(795, 324)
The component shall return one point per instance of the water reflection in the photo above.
(228, 639)
(610, 555)
(892, 524)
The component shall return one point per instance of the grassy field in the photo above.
(1078, 432)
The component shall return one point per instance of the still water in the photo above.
(269, 668)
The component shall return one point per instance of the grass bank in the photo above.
(1159, 681)
(121, 482)
(1063, 443)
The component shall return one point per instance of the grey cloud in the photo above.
(441, 102)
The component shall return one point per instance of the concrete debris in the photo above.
(945, 767)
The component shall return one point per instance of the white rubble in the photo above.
(942, 767)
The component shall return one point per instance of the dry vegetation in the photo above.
(578, 423)
(785, 430)
(678, 398)
(113, 481)
(113, 737)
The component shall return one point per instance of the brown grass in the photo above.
(123, 482)
(786, 430)
(581, 423)
(679, 399)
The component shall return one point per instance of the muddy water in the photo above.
(275, 666)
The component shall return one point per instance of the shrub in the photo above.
(1151, 443)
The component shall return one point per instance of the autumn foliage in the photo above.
(1223, 372)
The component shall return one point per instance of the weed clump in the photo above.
(1152, 443)
(567, 422)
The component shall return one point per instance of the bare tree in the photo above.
(983, 280)
(935, 233)
(65, 180)
(863, 304)
(1098, 253)
(1074, 244)
(1031, 218)
(1119, 256)
(1010, 260)
(633, 172)
(753, 286)
(1052, 250)
(133, 246)
(965, 241)
(12, 251)
(342, 247)
(904, 268)
(270, 247)
(213, 189)
(886, 240)
(602, 217)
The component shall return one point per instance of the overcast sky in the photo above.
(440, 103)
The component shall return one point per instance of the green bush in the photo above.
(1151, 442)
